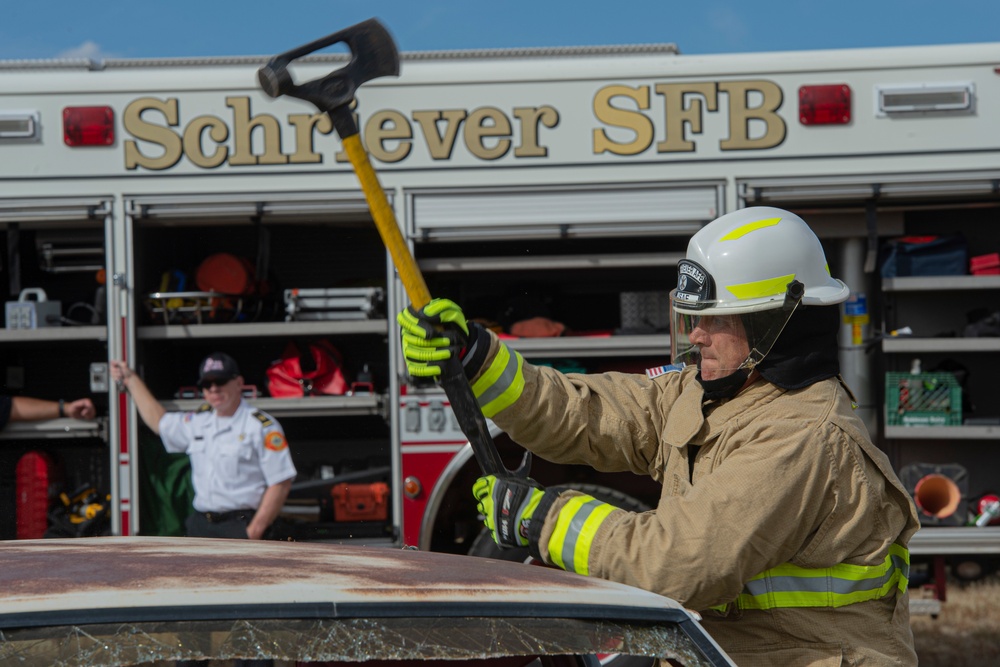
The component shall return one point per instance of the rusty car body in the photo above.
(145, 600)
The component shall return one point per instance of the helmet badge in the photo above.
(694, 285)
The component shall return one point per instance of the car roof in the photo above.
(108, 573)
(67, 583)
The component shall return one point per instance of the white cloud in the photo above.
(728, 24)
(88, 49)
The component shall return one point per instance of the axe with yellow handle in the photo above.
(373, 55)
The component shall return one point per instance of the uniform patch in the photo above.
(262, 418)
(275, 441)
(663, 370)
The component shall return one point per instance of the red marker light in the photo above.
(88, 126)
(825, 105)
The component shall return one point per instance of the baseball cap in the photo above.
(217, 366)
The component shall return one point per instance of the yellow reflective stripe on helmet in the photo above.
(576, 526)
(743, 230)
(788, 585)
(761, 288)
(501, 384)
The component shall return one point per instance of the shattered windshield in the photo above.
(291, 641)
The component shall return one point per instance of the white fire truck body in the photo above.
(573, 174)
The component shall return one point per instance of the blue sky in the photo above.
(175, 28)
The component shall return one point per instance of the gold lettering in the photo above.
(304, 124)
(137, 127)
(389, 126)
(192, 141)
(244, 125)
(624, 118)
(741, 114)
(483, 123)
(440, 145)
(529, 118)
(677, 115)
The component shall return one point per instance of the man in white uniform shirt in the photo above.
(241, 468)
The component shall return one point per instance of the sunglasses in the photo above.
(215, 383)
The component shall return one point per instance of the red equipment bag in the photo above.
(35, 475)
(295, 375)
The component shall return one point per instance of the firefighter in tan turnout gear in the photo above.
(779, 520)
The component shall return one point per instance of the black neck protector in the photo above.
(805, 353)
(726, 387)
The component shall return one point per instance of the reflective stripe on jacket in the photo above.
(792, 586)
(788, 586)
(500, 383)
(576, 526)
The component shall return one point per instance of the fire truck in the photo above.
(159, 210)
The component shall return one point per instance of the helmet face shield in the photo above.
(688, 333)
(720, 342)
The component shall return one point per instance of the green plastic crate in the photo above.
(922, 399)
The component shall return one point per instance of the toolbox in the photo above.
(360, 502)
(333, 303)
(33, 314)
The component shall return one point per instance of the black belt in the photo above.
(221, 517)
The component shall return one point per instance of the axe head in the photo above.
(373, 55)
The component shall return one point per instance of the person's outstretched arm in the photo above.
(27, 409)
(149, 408)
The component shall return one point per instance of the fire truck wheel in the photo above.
(484, 546)
(972, 568)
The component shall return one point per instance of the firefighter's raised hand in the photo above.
(507, 505)
(431, 336)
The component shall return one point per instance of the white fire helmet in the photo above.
(753, 260)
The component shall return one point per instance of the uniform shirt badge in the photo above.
(275, 441)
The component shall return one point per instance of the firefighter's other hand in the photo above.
(507, 505)
(431, 336)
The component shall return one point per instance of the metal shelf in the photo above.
(95, 333)
(263, 329)
(939, 283)
(55, 429)
(943, 432)
(313, 406)
(656, 345)
(940, 345)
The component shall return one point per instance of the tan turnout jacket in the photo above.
(778, 477)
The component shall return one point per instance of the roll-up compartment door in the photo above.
(885, 188)
(24, 212)
(570, 212)
(241, 208)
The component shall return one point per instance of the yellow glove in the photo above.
(431, 336)
(507, 505)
